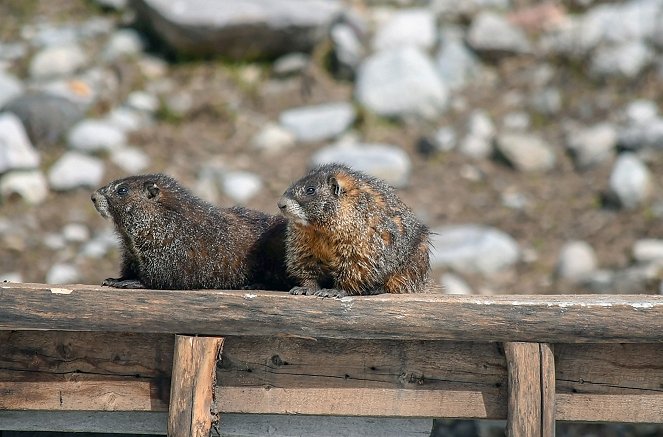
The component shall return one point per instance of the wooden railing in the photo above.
(84, 358)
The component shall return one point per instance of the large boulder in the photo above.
(238, 29)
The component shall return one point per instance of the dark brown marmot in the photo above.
(171, 239)
(350, 231)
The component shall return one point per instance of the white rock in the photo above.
(16, 151)
(30, 185)
(57, 61)
(401, 82)
(130, 159)
(648, 250)
(593, 144)
(473, 249)
(100, 245)
(62, 273)
(290, 64)
(407, 27)
(456, 64)
(443, 140)
(124, 43)
(143, 101)
(76, 233)
(11, 277)
(320, 122)
(10, 87)
(454, 284)
(630, 181)
(348, 49)
(478, 143)
(525, 152)
(241, 186)
(75, 170)
(273, 138)
(576, 261)
(627, 60)
(126, 119)
(491, 32)
(54, 241)
(641, 112)
(95, 136)
(386, 162)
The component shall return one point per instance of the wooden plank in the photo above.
(192, 386)
(524, 403)
(547, 359)
(85, 421)
(552, 319)
(234, 425)
(362, 378)
(66, 371)
(609, 382)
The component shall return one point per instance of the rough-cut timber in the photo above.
(192, 386)
(551, 319)
(524, 409)
(548, 408)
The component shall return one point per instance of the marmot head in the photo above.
(126, 200)
(316, 198)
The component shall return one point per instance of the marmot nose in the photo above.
(94, 197)
(282, 205)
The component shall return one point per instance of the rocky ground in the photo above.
(526, 134)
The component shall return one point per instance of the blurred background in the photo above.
(526, 134)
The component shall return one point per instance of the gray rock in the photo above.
(47, 34)
(76, 233)
(641, 112)
(320, 122)
(142, 101)
(57, 61)
(473, 249)
(632, 280)
(273, 138)
(12, 51)
(75, 170)
(547, 101)
(348, 49)
(456, 64)
(29, 185)
(241, 29)
(443, 140)
(525, 152)
(123, 43)
(62, 273)
(407, 27)
(627, 59)
(576, 261)
(641, 136)
(92, 135)
(241, 186)
(630, 181)
(126, 119)
(516, 121)
(592, 145)
(99, 245)
(401, 82)
(11, 277)
(454, 284)
(290, 64)
(491, 33)
(16, 152)
(10, 88)
(478, 143)
(54, 241)
(386, 162)
(130, 159)
(648, 250)
(46, 117)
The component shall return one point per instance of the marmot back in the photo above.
(350, 231)
(171, 239)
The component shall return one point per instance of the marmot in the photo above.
(350, 231)
(171, 239)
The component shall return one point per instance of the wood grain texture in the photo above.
(609, 382)
(67, 371)
(362, 377)
(548, 395)
(524, 398)
(552, 319)
(192, 386)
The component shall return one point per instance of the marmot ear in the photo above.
(335, 186)
(151, 189)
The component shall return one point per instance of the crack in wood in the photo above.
(81, 372)
(605, 384)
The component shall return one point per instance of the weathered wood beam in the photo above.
(190, 413)
(548, 395)
(551, 319)
(524, 404)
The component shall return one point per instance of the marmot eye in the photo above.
(310, 190)
(122, 190)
